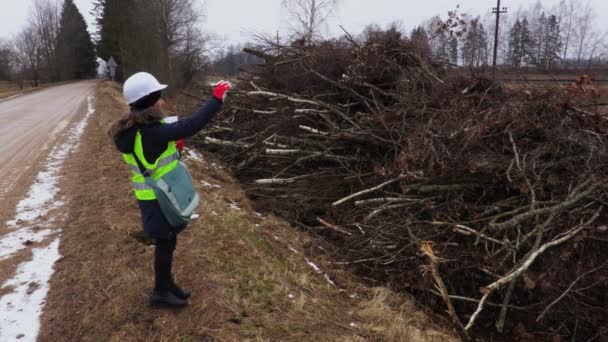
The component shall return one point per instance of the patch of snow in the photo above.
(329, 279)
(353, 324)
(191, 154)
(318, 270)
(20, 309)
(315, 267)
(194, 216)
(15, 241)
(209, 185)
(234, 206)
(291, 296)
(258, 214)
(41, 198)
(257, 225)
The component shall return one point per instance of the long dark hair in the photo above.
(135, 118)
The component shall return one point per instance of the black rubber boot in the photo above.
(180, 293)
(168, 300)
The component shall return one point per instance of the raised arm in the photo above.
(189, 126)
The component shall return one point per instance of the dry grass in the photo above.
(248, 273)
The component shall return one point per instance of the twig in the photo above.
(473, 300)
(500, 323)
(277, 152)
(304, 101)
(472, 231)
(213, 141)
(488, 290)
(523, 173)
(532, 213)
(313, 130)
(334, 227)
(260, 54)
(255, 111)
(192, 96)
(540, 317)
(385, 208)
(367, 191)
(349, 37)
(386, 200)
(362, 98)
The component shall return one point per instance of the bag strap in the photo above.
(145, 172)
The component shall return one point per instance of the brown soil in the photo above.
(247, 281)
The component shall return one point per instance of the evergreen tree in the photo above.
(111, 22)
(421, 38)
(75, 50)
(159, 36)
(539, 39)
(527, 42)
(475, 46)
(515, 54)
(553, 43)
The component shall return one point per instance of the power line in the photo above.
(498, 11)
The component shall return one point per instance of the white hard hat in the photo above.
(139, 85)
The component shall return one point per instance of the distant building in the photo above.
(102, 69)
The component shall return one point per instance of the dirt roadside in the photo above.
(250, 274)
(39, 132)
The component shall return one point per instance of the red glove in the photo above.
(221, 89)
(180, 144)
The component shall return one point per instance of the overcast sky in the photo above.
(233, 20)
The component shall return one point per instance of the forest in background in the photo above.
(53, 46)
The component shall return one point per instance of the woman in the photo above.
(146, 141)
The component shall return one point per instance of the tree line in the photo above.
(54, 46)
(539, 37)
(160, 36)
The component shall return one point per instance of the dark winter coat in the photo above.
(155, 138)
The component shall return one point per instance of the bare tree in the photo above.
(309, 15)
(567, 13)
(583, 26)
(182, 38)
(27, 55)
(597, 42)
(44, 20)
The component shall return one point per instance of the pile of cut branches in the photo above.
(489, 202)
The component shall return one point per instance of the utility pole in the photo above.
(498, 11)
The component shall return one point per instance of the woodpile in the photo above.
(488, 204)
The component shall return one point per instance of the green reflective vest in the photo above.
(167, 161)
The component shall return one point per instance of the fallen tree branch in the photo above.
(471, 231)
(532, 213)
(386, 208)
(427, 249)
(488, 290)
(267, 57)
(214, 141)
(334, 227)
(367, 191)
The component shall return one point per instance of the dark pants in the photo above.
(163, 259)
